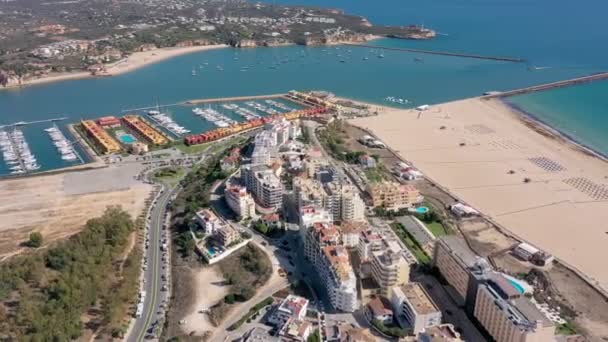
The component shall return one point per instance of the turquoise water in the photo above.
(580, 112)
(565, 36)
(516, 285)
(422, 210)
(126, 138)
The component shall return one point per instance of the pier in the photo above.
(546, 86)
(444, 53)
(23, 123)
(232, 99)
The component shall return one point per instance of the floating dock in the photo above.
(444, 53)
(233, 99)
(546, 86)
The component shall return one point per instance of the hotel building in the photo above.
(508, 316)
(455, 260)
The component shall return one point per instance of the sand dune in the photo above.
(471, 146)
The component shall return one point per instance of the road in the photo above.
(156, 273)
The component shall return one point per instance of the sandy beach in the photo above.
(133, 62)
(538, 186)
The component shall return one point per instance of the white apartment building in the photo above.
(265, 186)
(351, 231)
(340, 199)
(413, 304)
(208, 221)
(291, 307)
(240, 201)
(338, 278)
(331, 261)
(311, 215)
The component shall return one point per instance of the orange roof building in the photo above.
(153, 136)
(100, 137)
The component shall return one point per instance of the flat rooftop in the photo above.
(419, 298)
(459, 248)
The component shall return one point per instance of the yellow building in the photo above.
(389, 269)
(145, 130)
(106, 143)
(392, 195)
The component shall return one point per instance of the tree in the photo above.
(261, 227)
(314, 337)
(35, 240)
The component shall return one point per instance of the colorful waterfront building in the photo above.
(141, 127)
(106, 143)
(108, 121)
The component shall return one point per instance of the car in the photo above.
(264, 243)
(291, 263)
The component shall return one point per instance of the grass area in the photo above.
(566, 329)
(170, 175)
(411, 244)
(252, 312)
(191, 149)
(374, 175)
(437, 229)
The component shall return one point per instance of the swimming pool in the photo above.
(422, 210)
(126, 138)
(211, 251)
(517, 286)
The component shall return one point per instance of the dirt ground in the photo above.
(590, 306)
(58, 205)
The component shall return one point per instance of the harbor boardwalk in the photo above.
(504, 165)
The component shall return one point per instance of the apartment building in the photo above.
(265, 186)
(291, 307)
(295, 330)
(508, 316)
(393, 196)
(389, 268)
(351, 231)
(369, 241)
(240, 201)
(208, 221)
(379, 308)
(414, 308)
(318, 236)
(454, 260)
(338, 278)
(311, 215)
(338, 198)
(227, 235)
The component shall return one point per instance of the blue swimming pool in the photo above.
(126, 138)
(516, 285)
(422, 210)
(211, 251)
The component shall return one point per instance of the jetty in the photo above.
(546, 86)
(23, 123)
(443, 53)
(232, 99)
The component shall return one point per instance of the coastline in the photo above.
(469, 147)
(546, 129)
(133, 62)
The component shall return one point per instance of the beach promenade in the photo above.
(523, 176)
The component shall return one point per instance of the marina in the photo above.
(213, 116)
(16, 152)
(63, 145)
(167, 123)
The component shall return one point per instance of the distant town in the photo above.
(54, 37)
